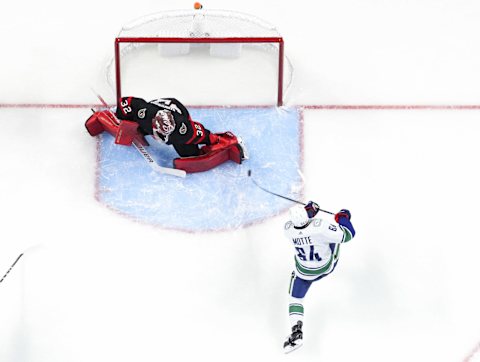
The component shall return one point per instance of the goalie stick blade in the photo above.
(169, 171)
(154, 165)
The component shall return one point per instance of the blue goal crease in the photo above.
(220, 199)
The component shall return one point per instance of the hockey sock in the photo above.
(295, 310)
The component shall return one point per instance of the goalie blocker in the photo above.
(222, 148)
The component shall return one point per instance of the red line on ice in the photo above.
(393, 107)
(46, 105)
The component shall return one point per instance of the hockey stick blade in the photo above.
(283, 197)
(272, 193)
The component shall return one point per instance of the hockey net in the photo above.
(203, 57)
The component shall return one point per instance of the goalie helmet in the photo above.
(298, 216)
(163, 124)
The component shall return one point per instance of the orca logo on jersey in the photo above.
(141, 113)
(163, 123)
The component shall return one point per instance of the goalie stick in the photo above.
(8, 271)
(278, 195)
(145, 154)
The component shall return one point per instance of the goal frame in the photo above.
(226, 40)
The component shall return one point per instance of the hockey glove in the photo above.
(342, 213)
(312, 209)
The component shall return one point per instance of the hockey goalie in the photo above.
(168, 121)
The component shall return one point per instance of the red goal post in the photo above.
(189, 29)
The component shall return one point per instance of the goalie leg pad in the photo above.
(209, 160)
(227, 140)
(235, 153)
(127, 131)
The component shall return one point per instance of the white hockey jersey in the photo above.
(317, 246)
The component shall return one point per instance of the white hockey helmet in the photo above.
(298, 215)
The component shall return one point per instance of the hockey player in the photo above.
(316, 242)
(169, 122)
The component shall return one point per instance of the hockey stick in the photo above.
(100, 98)
(145, 154)
(272, 193)
(154, 165)
(283, 197)
(8, 271)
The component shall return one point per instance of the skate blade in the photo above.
(245, 155)
(292, 347)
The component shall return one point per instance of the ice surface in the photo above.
(96, 286)
(221, 199)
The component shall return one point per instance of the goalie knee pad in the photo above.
(126, 134)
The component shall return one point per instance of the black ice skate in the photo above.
(295, 340)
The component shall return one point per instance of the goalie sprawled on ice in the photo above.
(168, 121)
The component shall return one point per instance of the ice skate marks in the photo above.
(219, 199)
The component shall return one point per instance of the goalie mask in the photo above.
(298, 216)
(163, 124)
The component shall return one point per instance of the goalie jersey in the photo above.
(317, 246)
(166, 119)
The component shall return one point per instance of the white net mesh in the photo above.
(199, 23)
(230, 64)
